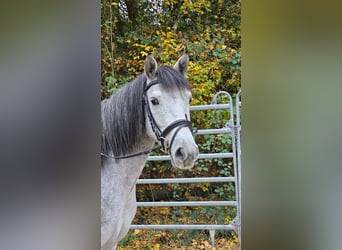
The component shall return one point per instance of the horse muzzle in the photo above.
(184, 157)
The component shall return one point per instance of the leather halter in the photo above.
(160, 135)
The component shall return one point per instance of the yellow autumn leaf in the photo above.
(143, 53)
(136, 231)
(164, 210)
(156, 246)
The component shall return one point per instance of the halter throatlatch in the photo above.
(160, 135)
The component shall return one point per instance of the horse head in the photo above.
(167, 105)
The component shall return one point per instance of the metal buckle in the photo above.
(165, 144)
(194, 130)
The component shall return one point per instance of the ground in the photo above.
(172, 240)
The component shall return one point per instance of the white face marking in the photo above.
(167, 108)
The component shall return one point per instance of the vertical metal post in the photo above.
(212, 237)
(238, 134)
(235, 134)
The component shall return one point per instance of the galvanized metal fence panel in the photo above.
(231, 128)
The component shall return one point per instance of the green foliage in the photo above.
(209, 31)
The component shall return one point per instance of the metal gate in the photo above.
(233, 128)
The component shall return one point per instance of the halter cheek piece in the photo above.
(160, 135)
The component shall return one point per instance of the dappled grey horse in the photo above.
(154, 108)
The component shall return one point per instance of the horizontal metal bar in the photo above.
(201, 156)
(185, 180)
(213, 131)
(211, 106)
(184, 227)
(186, 203)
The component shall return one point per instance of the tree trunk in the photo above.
(132, 10)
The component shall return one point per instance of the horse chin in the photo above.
(185, 167)
(181, 165)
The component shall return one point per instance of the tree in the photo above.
(209, 31)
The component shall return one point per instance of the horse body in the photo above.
(118, 205)
(153, 108)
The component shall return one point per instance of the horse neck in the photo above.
(134, 166)
(128, 169)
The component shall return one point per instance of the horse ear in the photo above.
(182, 64)
(150, 67)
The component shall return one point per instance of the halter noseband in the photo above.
(161, 135)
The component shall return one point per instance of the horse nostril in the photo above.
(180, 153)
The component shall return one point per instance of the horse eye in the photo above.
(190, 99)
(154, 101)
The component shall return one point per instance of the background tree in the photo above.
(209, 31)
